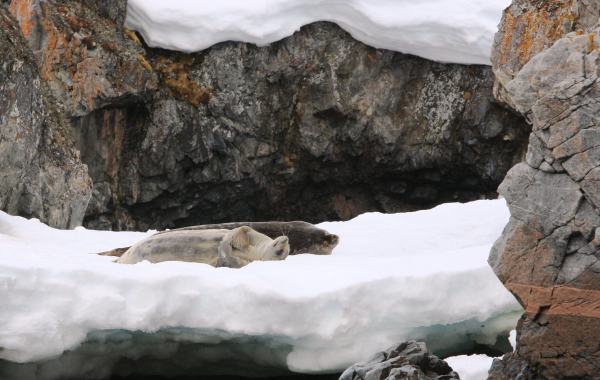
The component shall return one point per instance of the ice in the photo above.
(395, 277)
(457, 31)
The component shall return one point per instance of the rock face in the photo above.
(548, 255)
(530, 26)
(41, 174)
(316, 127)
(408, 361)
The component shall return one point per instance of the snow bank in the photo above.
(420, 275)
(471, 367)
(457, 31)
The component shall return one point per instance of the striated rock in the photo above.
(41, 174)
(315, 127)
(407, 361)
(548, 255)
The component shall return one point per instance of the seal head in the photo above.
(243, 245)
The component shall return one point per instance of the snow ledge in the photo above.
(453, 31)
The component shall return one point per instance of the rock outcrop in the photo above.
(41, 174)
(548, 255)
(407, 361)
(316, 127)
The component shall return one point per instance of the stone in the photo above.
(315, 127)
(548, 254)
(539, 199)
(410, 360)
(41, 174)
(530, 26)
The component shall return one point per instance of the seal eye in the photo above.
(279, 252)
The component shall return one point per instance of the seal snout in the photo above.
(282, 247)
(332, 240)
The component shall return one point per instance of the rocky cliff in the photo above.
(548, 254)
(41, 174)
(317, 126)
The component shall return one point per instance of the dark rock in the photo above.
(408, 361)
(41, 174)
(315, 127)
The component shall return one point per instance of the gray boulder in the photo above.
(407, 361)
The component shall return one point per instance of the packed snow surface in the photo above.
(419, 275)
(471, 367)
(457, 31)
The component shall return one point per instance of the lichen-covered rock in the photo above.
(87, 67)
(549, 254)
(407, 361)
(316, 127)
(530, 26)
(41, 174)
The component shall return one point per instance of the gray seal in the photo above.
(217, 247)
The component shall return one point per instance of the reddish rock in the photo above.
(549, 254)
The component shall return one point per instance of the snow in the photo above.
(471, 367)
(456, 31)
(512, 338)
(420, 275)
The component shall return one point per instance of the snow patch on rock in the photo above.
(456, 31)
(471, 367)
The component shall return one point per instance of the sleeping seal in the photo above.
(217, 247)
(303, 237)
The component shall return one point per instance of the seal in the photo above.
(217, 247)
(303, 237)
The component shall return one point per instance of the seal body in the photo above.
(304, 237)
(217, 247)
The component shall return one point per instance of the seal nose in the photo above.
(333, 239)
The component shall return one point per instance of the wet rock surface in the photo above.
(315, 127)
(410, 360)
(548, 255)
(41, 174)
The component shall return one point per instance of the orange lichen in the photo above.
(68, 40)
(132, 36)
(144, 62)
(527, 33)
(507, 37)
(174, 74)
(591, 44)
(21, 10)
